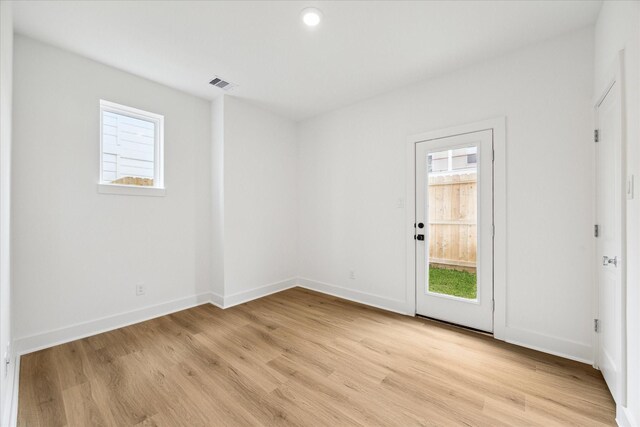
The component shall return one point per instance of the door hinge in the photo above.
(596, 230)
(493, 155)
(494, 305)
(493, 230)
(596, 325)
(596, 135)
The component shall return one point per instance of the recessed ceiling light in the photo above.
(311, 16)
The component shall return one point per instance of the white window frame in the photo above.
(158, 188)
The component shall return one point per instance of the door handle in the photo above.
(420, 237)
(607, 261)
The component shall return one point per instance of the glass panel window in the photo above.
(453, 199)
(439, 162)
(131, 146)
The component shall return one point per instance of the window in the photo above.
(451, 161)
(131, 150)
(472, 159)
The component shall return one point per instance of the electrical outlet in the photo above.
(140, 289)
(352, 274)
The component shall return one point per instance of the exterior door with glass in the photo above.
(454, 229)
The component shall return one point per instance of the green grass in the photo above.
(452, 282)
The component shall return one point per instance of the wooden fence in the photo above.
(453, 221)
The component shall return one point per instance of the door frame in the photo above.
(498, 126)
(614, 74)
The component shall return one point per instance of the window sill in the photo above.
(131, 190)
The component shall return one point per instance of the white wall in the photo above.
(217, 200)
(352, 172)
(77, 255)
(618, 27)
(6, 69)
(226, 230)
(260, 201)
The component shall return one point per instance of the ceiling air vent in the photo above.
(222, 84)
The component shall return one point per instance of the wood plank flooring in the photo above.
(303, 358)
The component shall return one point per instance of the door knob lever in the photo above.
(607, 261)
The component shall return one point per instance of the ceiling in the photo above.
(359, 50)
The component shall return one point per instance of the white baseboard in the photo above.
(356, 296)
(54, 337)
(217, 300)
(624, 417)
(550, 344)
(545, 343)
(259, 292)
(10, 404)
(15, 392)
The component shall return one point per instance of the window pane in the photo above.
(461, 157)
(439, 162)
(128, 150)
(452, 198)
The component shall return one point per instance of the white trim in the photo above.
(29, 344)
(410, 220)
(259, 292)
(66, 334)
(551, 345)
(136, 113)
(217, 300)
(158, 161)
(357, 296)
(464, 300)
(547, 344)
(624, 417)
(557, 346)
(498, 125)
(131, 190)
(11, 418)
(616, 74)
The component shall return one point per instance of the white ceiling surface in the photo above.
(359, 50)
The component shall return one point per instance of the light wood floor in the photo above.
(302, 358)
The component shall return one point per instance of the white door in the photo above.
(610, 194)
(454, 229)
